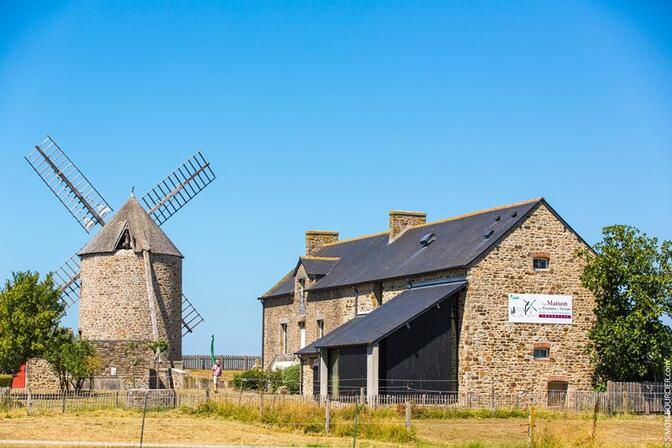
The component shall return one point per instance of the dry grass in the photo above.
(177, 427)
(555, 433)
(160, 427)
(227, 375)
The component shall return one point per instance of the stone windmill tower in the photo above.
(130, 279)
(131, 283)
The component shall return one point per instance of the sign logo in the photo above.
(540, 309)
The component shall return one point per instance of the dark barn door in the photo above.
(316, 376)
(422, 358)
(347, 370)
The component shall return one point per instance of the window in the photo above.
(320, 328)
(540, 263)
(541, 352)
(302, 334)
(283, 331)
(302, 296)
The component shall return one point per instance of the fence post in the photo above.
(492, 399)
(207, 395)
(29, 407)
(144, 412)
(327, 416)
(361, 395)
(65, 394)
(595, 409)
(116, 399)
(408, 415)
(530, 427)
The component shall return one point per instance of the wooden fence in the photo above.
(229, 362)
(580, 401)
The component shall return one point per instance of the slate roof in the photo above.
(145, 233)
(459, 242)
(317, 266)
(284, 286)
(387, 318)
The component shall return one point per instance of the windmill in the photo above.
(89, 208)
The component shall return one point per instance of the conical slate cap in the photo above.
(144, 233)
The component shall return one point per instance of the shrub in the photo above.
(269, 380)
(274, 379)
(5, 380)
(250, 379)
(291, 376)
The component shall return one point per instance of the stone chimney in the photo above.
(318, 238)
(401, 220)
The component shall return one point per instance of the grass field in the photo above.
(179, 426)
(227, 375)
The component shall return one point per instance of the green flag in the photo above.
(212, 349)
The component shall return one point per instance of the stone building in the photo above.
(131, 295)
(485, 301)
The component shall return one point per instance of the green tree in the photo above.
(30, 311)
(74, 360)
(631, 278)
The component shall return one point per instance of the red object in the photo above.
(19, 380)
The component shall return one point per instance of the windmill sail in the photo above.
(69, 184)
(190, 317)
(180, 187)
(67, 279)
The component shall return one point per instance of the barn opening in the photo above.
(406, 346)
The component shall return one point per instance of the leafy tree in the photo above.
(631, 278)
(30, 311)
(74, 360)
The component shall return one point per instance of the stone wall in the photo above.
(307, 377)
(494, 352)
(113, 303)
(126, 364)
(40, 376)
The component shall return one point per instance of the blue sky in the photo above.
(327, 115)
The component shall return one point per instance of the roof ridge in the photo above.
(439, 221)
(314, 257)
(480, 212)
(370, 235)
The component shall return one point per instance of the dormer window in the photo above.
(540, 263)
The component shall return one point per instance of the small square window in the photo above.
(541, 353)
(540, 264)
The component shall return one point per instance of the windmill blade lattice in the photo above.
(180, 187)
(69, 184)
(67, 279)
(190, 317)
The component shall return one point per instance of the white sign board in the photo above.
(540, 309)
